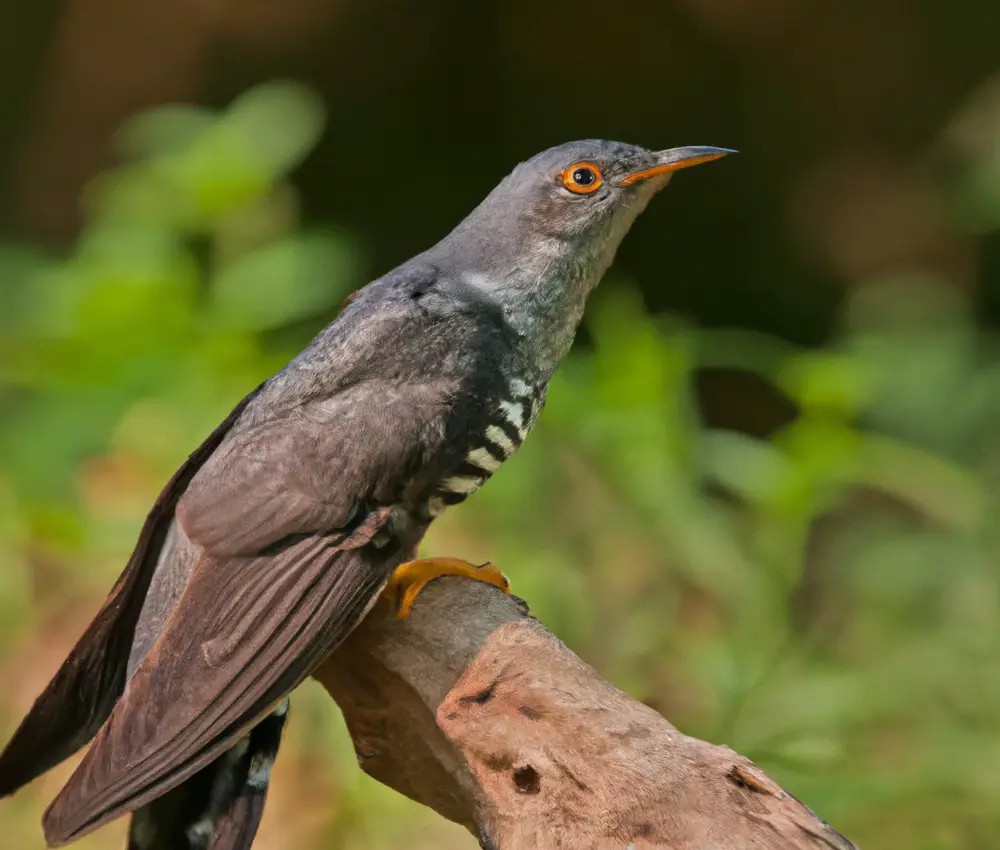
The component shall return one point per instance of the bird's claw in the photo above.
(411, 578)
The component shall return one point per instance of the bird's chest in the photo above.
(491, 438)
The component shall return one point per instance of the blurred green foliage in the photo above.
(825, 600)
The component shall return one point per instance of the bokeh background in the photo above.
(764, 494)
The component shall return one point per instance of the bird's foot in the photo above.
(413, 576)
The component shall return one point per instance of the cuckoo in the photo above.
(283, 528)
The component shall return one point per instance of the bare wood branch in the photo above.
(473, 708)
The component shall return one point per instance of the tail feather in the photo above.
(220, 807)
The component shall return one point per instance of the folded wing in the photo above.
(82, 693)
(259, 614)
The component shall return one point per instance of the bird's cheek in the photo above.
(650, 187)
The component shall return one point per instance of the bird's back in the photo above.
(422, 325)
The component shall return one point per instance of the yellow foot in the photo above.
(413, 576)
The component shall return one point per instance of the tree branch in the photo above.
(473, 708)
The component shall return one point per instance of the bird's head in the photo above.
(543, 238)
(583, 195)
(588, 191)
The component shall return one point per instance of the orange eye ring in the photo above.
(582, 178)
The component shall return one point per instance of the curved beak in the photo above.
(676, 159)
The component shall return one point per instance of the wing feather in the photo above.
(220, 806)
(244, 634)
(80, 696)
(312, 468)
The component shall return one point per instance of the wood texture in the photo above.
(473, 708)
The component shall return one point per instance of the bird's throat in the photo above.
(544, 303)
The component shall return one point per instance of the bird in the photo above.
(284, 527)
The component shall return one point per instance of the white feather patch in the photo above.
(513, 412)
(484, 460)
(461, 484)
(519, 389)
(499, 439)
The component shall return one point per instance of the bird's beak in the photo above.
(674, 160)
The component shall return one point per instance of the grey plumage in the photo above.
(278, 534)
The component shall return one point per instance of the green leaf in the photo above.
(752, 469)
(283, 119)
(163, 129)
(827, 381)
(290, 279)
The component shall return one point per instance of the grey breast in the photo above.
(505, 431)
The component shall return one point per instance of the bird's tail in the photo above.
(219, 808)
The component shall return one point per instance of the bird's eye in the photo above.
(582, 178)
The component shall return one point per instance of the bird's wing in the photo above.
(258, 615)
(82, 693)
(242, 639)
(315, 468)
